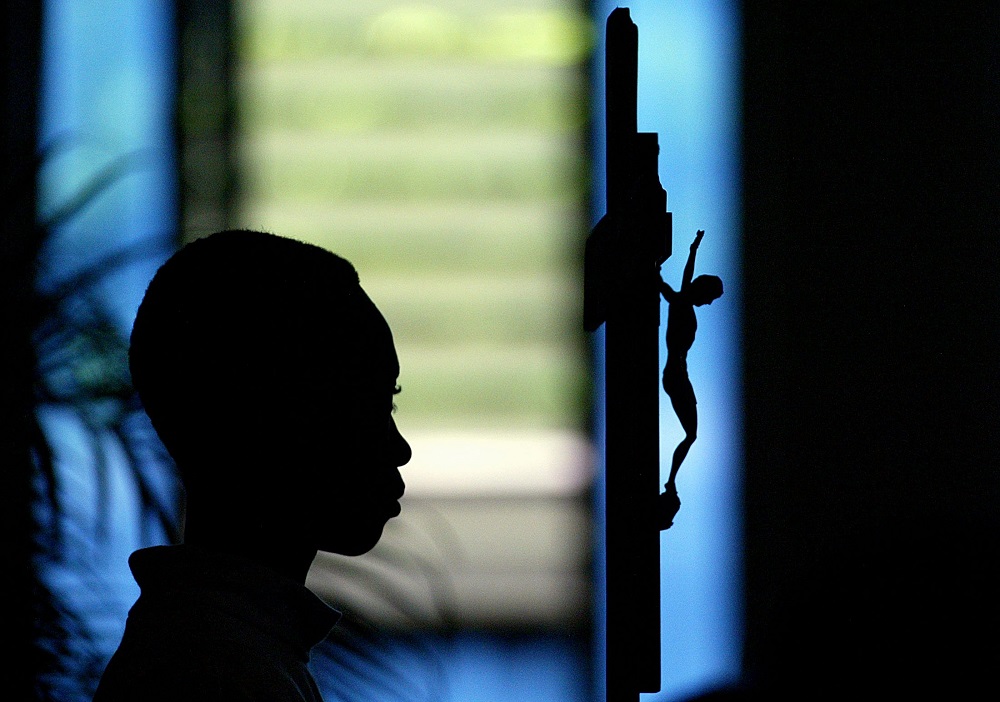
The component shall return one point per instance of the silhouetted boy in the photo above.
(269, 375)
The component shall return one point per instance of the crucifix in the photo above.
(622, 291)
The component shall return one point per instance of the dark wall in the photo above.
(18, 245)
(872, 311)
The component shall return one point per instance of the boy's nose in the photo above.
(405, 452)
(402, 451)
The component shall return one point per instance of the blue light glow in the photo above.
(106, 115)
(107, 94)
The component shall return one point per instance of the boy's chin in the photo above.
(354, 544)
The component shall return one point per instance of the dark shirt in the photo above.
(215, 627)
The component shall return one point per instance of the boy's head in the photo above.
(269, 375)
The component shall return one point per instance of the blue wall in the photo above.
(106, 118)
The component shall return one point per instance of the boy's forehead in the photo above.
(372, 328)
(365, 336)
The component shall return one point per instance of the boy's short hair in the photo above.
(238, 323)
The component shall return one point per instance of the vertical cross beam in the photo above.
(620, 289)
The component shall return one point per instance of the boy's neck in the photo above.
(289, 557)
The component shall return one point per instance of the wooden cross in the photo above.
(621, 277)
